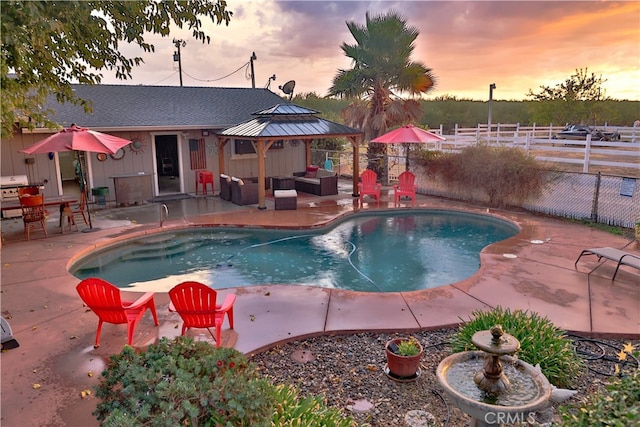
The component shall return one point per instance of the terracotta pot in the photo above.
(402, 366)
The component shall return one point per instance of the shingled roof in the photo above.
(127, 107)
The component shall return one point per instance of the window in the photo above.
(277, 145)
(243, 146)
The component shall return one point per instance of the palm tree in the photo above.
(382, 70)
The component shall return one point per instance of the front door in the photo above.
(167, 164)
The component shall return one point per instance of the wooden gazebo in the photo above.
(287, 122)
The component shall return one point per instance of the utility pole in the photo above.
(253, 75)
(177, 57)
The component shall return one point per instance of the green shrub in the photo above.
(293, 411)
(540, 342)
(183, 382)
(616, 406)
(507, 176)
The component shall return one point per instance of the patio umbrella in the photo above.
(75, 138)
(408, 134)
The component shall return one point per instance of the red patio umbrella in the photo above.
(76, 138)
(408, 134)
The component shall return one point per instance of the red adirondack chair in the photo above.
(104, 300)
(368, 185)
(405, 187)
(196, 305)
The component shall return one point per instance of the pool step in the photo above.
(162, 248)
(151, 248)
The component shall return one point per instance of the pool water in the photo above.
(385, 252)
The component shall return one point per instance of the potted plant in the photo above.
(403, 358)
(637, 229)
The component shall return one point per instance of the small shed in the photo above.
(287, 122)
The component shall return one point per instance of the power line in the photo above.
(166, 78)
(246, 64)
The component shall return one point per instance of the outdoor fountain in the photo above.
(493, 394)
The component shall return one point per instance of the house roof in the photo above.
(288, 121)
(132, 107)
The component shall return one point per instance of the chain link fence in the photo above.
(607, 199)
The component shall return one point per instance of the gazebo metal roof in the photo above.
(288, 121)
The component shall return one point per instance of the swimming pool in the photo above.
(380, 252)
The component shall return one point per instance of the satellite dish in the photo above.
(288, 88)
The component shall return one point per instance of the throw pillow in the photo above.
(311, 172)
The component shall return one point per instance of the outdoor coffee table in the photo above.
(283, 183)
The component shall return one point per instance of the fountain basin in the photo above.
(529, 391)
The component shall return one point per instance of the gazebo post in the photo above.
(307, 152)
(261, 175)
(221, 143)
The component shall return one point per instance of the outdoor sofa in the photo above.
(318, 181)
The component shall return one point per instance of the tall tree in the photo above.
(47, 46)
(382, 71)
(579, 99)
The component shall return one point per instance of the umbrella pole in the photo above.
(406, 160)
(85, 187)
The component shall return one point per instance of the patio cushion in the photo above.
(321, 173)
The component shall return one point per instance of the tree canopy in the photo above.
(47, 46)
(579, 99)
(382, 71)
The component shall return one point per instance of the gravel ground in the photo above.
(348, 370)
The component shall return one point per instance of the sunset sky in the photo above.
(517, 45)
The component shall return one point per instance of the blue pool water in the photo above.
(385, 252)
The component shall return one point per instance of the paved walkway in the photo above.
(56, 332)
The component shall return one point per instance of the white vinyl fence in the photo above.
(539, 142)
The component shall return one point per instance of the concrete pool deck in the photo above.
(56, 333)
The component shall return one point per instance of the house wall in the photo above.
(278, 162)
(13, 162)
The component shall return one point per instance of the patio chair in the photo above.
(621, 257)
(406, 187)
(196, 305)
(68, 212)
(30, 190)
(243, 191)
(81, 208)
(203, 178)
(105, 301)
(33, 213)
(225, 187)
(368, 185)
